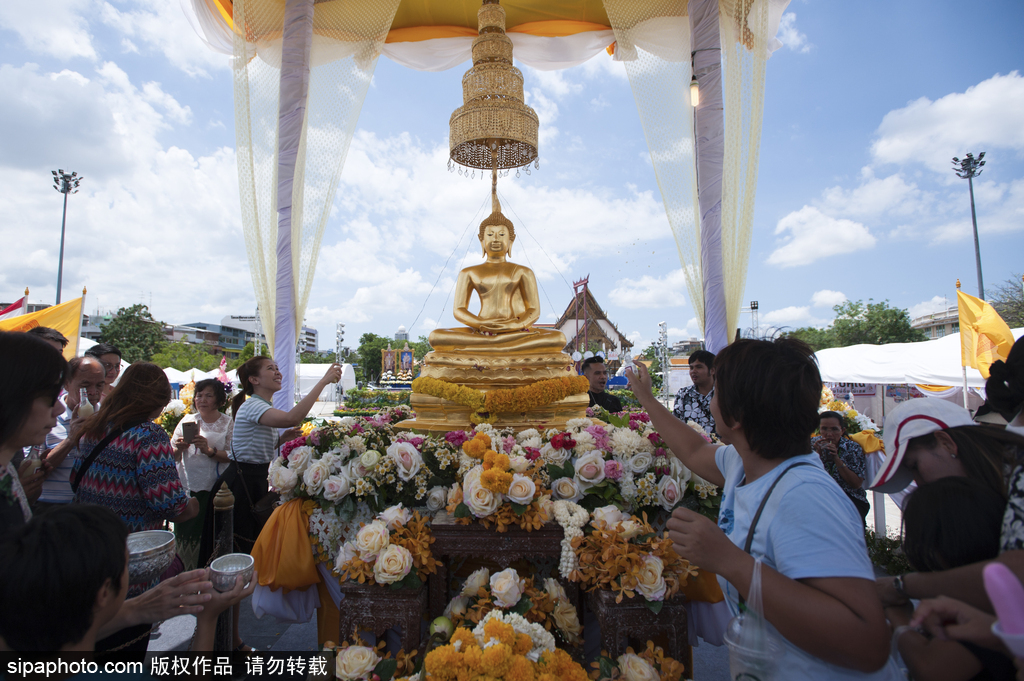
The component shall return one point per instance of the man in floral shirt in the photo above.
(693, 403)
(843, 459)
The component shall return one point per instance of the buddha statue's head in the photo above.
(497, 234)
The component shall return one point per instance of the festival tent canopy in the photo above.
(935, 362)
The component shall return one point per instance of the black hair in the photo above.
(1004, 389)
(832, 415)
(951, 522)
(101, 349)
(48, 334)
(251, 367)
(772, 388)
(219, 393)
(31, 368)
(704, 357)
(51, 571)
(986, 452)
(590, 361)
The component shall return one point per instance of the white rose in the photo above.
(640, 462)
(521, 490)
(567, 620)
(636, 668)
(315, 476)
(507, 588)
(336, 488)
(611, 516)
(555, 590)
(681, 473)
(372, 539)
(629, 529)
(457, 606)
(395, 516)
(283, 479)
(299, 458)
(555, 456)
(436, 498)
(668, 493)
(566, 488)
(649, 581)
(333, 462)
(346, 553)
(481, 501)
(407, 460)
(590, 469)
(355, 662)
(368, 459)
(546, 505)
(519, 464)
(392, 565)
(476, 581)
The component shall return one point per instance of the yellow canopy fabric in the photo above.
(66, 318)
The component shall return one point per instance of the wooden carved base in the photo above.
(453, 541)
(631, 623)
(378, 608)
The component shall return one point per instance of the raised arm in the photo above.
(277, 418)
(689, 447)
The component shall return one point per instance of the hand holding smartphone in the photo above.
(189, 431)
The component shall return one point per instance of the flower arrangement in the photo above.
(394, 549)
(360, 662)
(650, 665)
(703, 497)
(172, 414)
(501, 646)
(507, 591)
(504, 400)
(853, 421)
(623, 554)
(492, 477)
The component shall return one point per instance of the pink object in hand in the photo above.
(1007, 596)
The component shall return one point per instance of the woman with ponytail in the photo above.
(255, 439)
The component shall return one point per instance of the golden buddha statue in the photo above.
(509, 302)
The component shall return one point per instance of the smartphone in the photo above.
(189, 431)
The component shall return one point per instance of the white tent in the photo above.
(307, 376)
(934, 362)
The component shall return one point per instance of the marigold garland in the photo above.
(503, 400)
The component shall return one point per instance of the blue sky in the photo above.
(866, 104)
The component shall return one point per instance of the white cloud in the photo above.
(650, 292)
(827, 298)
(547, 112)
(811, 235)
(936, 304)
(875, 196)
(691, 330)
(790, 36)
(788, 316)
(984, 117)
(553, 82)
(57, 29)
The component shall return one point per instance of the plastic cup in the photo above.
(1014, 642)
(747, 664)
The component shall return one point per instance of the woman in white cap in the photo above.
(927, 439)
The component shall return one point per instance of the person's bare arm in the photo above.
(183, 594)
(931, 658)
(837, 619)
(689, 447)
(276, 418)
(963, 583)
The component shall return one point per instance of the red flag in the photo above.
(15, 309)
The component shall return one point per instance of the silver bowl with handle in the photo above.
(224, 570)
(150, 552)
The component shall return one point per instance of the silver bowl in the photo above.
(150, 552)
(225, 569)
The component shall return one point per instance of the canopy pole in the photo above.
(965, 388)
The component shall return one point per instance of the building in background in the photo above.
(401, 334)
(309, 339)
(938, 324)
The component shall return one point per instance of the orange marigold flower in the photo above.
(467, 638)
(497, 481)
(496, 660)
(523, 644)
(521, 669)
(474, 448)
(500, 630)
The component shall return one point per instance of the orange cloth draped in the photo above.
(282, 553)
(703, 587)
(328, 622)
(868, 441)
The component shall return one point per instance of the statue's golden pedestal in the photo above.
(512, 370)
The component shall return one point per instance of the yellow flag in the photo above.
(66, 318)
(984, 336)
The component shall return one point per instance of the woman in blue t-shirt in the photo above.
(817, 581)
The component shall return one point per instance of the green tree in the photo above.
(317, 358)
(135, 333)
(651, 353)
(1008, 300)
(368, 359)
(858, 323)
(248, 352)
(184, 356)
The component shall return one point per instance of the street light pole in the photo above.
(66, 184)
(969, 168)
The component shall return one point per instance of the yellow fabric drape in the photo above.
(703, 587)
(984, 336)
(868, 442)
(282, 553)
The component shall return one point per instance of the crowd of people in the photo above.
(82, 464)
